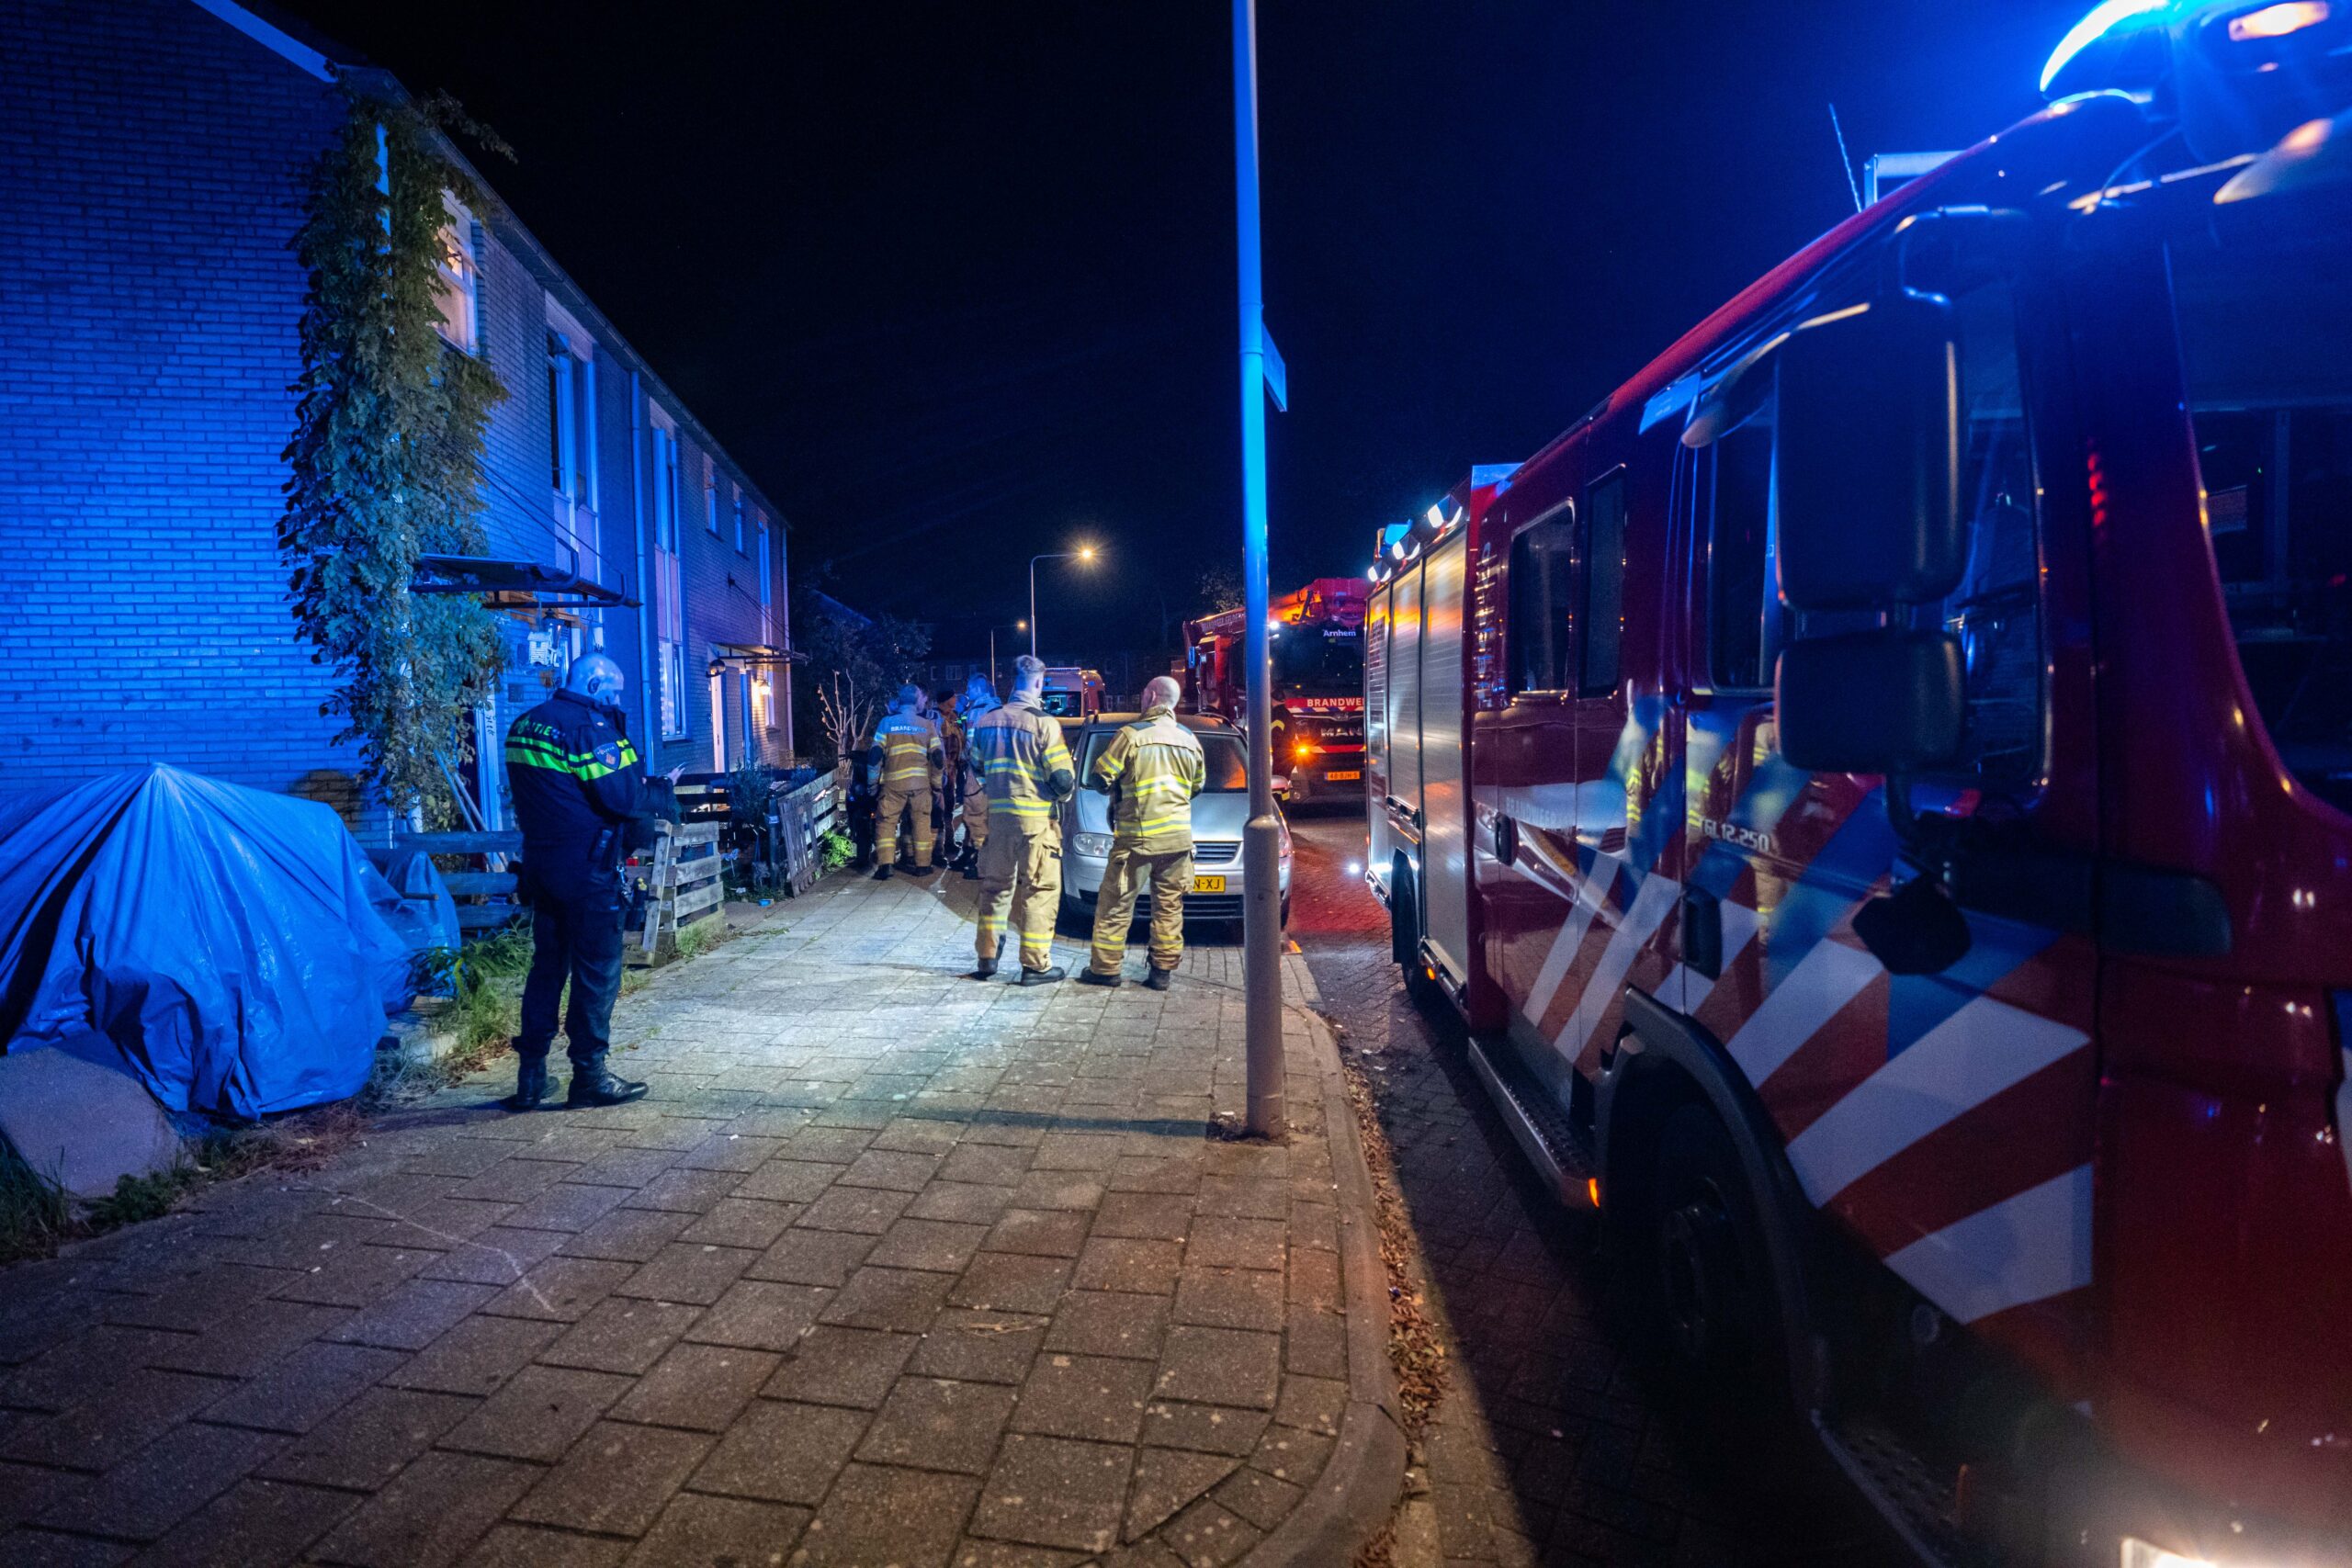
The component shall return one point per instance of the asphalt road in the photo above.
(1550, 1446)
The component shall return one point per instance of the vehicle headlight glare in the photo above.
(2138, 1553)
(1093, 846)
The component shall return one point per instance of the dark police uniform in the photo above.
(577, 784)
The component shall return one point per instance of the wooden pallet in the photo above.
(485, 898)
(803, 816)
(680, 875)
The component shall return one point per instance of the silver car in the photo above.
(1219, 814)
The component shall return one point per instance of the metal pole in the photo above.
(1262, 840)
(1033, 604)
(991, 658)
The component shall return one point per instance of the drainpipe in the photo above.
(650, 736)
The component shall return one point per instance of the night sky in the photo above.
(956, 281)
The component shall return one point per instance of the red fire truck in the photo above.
(1315, 646)
(1879, 790)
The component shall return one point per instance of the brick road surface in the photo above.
(1549, 1447)
(892, 1267)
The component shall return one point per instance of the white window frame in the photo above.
(767, 584)
(669, 584)
(717, 719)
(571, 414)
(459, 279)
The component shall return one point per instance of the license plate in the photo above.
(1351, 776)
(1208, 884)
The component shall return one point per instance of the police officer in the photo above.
(578, 784)
(1025, 769)
(906, 759)
(980, 699)
(1151, 770)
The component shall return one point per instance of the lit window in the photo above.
(742, 545)
(710, 499)
(457, 291)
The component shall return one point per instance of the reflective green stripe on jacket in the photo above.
(533, 745)
(1152, 769)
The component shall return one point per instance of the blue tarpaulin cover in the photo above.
(235, 945)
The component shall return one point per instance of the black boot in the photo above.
(530, 1084)
(881, 874)
(593, 1084)
(1158, 978)
(1043, 976)
(1092, 977)
(921, 869)
(984, 968)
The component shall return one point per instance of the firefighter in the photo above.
(1025, 769)
(979, 697)
(1151, 770)
(905, 758)
(951, 755)
(578, 787)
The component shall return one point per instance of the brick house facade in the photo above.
(152, 161)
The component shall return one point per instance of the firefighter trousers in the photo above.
(1021, 875)
(975, 817)
(896, 796)
(1169, 877)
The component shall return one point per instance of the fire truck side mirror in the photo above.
(1866, 470)
(1875, 701)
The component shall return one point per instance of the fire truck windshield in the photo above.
(2265, 312)
(1325, 661)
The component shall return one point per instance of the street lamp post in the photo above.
(1262, 840)
(1083, 552)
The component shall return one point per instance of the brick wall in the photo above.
(152, 164)
(151, 169)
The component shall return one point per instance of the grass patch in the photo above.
(35, 1213)
(37, 1216)
(700, 937)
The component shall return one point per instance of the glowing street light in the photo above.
(1085, 555)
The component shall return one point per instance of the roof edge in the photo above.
(272, 37)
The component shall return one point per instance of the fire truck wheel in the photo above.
(1709, 1269)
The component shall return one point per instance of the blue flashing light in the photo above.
(2106, 17)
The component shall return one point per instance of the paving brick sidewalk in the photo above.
(892, 1267)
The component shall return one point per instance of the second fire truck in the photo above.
(1316, 649)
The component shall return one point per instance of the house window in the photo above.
(571, 424)
(457, 287)
(669, 588)
(710, 499)
(742, 545)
